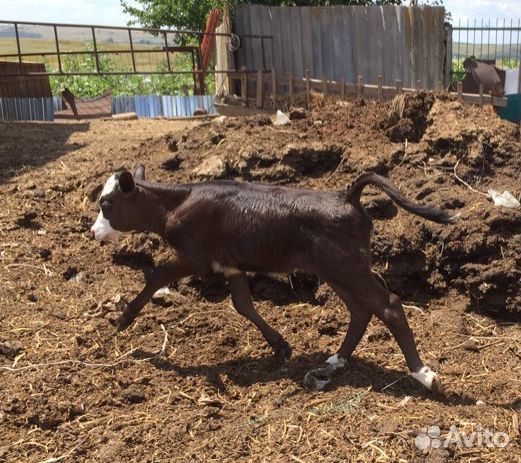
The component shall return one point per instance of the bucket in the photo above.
(512, 112)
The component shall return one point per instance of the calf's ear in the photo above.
(126, 182)
(139, 172)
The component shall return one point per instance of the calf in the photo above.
(236, 227)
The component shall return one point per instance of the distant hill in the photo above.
(80, 34)
(8, 31)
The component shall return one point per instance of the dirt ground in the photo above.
(191, 381)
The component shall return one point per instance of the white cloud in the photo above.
(104, 12)
(109, 12)
(483, 9)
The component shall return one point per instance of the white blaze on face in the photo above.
(103, 231)
(109, 186)
(101, 228)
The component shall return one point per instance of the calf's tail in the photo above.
(427, 212)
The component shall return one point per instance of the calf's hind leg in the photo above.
(387, 306)
(360, 318)
(366, 296)
(241, 298)
(320, 377)
(390, 311)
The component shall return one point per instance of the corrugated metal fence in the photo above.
(26, 109)
(343, 42)
(42, 109)
(162, 106)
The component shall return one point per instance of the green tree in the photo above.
(192, 14)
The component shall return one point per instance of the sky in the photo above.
(109, 12)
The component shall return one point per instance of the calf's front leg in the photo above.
(241, 298)
(161, 276)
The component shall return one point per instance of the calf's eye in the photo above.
(105, 206)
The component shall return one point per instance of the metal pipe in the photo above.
(166, 51)
(124, 73)
(142, 29)
(20, 64)
(84, 52)
(95, 49)
(132, 50)
(58, 48)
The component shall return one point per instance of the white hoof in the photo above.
(312, 382)
(319, 378)
(336, 362)
(427, 377)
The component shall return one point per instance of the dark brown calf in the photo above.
(237, 227)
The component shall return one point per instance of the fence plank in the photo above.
(307, 37)
(308, 90)
(260, 88)
(274, 87)
(267, 44)
(244, 86)
(296, 42)
(290, 89)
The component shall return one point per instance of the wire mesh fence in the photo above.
(498, 41)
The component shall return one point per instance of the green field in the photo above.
(148, 57)
(506, 55)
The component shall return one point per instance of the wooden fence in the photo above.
(344, 41)
(23, 86)
(267, 89)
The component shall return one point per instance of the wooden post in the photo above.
(448, 54)
(481, 98)
(343, 89)
(519, 78)
(260, 88)
(223, 55)
(290, 89)
(359, 87)
(244, 86)
(274, 86)
(398, 86)
(460, 90)
(308, 89)
(418, 85)
(380, 92)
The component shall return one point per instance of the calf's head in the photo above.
(116, 200)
